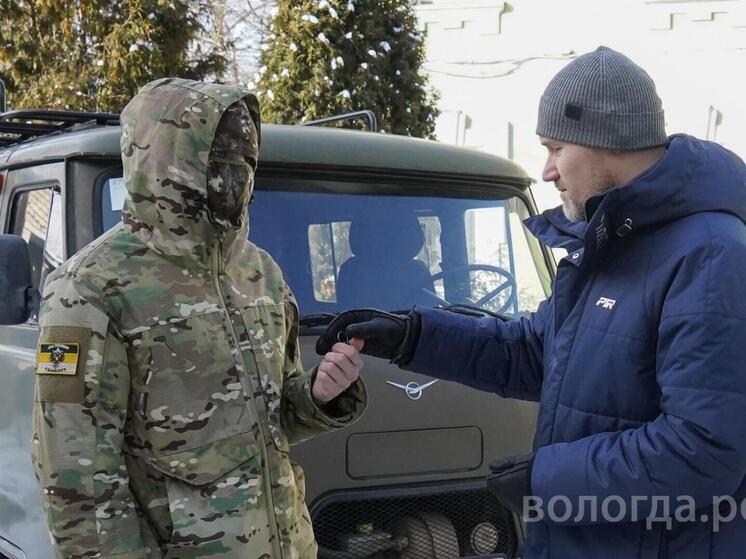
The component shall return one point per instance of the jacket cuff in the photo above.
(430, 356)
(340, 412)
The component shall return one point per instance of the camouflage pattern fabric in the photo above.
(231, 165)
(169, 384)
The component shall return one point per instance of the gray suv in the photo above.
(354, 219)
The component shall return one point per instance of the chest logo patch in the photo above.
(606, 303)
(57, 359)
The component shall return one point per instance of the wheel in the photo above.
(508, 283)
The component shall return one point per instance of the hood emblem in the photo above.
(413, 389)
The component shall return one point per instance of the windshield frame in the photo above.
(376, 181)
(302, 178)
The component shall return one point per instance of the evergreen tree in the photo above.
(95, 54)
(236, 29)
(325, 57)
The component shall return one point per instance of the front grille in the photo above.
(423, 522)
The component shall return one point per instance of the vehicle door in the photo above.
(33, 209)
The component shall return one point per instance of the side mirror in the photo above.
(18, 298)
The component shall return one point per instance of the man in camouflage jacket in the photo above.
(169, 384)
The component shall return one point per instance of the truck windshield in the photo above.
(340, 249)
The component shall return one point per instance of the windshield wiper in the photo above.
(477, 312)
(317, 319)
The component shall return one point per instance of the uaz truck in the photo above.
(354, 219)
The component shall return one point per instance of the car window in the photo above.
(339, 250)
(329, 248)
(496, 244)
(113, 193)
(37, 218)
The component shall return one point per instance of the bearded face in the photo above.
(578, 172)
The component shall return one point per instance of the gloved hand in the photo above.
(386, 335)
(510, 480)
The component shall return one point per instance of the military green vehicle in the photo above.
(354, 219)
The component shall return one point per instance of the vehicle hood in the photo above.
(167, 131)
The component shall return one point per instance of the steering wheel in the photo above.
(509, 283)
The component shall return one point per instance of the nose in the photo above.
(550, 172)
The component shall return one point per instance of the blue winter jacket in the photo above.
(638, 360)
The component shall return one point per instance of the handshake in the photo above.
(385, 335)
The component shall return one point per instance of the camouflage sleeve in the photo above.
(302, 418)
(81, 393)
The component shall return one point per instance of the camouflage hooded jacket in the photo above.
(168, 383)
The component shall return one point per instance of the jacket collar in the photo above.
(692, 176)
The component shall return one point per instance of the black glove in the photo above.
(510, 480)
(386, 335)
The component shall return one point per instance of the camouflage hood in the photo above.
(167, 131)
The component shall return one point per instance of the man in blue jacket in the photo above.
(638, 359)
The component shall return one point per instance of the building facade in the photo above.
(491, 60)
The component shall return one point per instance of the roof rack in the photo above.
(21, 125)
(366, 114)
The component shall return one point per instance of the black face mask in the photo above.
(231, 165)
(228, 181)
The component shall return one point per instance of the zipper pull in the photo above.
(624, 229)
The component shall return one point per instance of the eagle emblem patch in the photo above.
(58, 359)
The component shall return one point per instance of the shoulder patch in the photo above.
(60, 363)
(58, 359)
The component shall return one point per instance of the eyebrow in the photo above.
(549, 144)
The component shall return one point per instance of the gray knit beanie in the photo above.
(602, 99)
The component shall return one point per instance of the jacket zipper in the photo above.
(217, 274)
